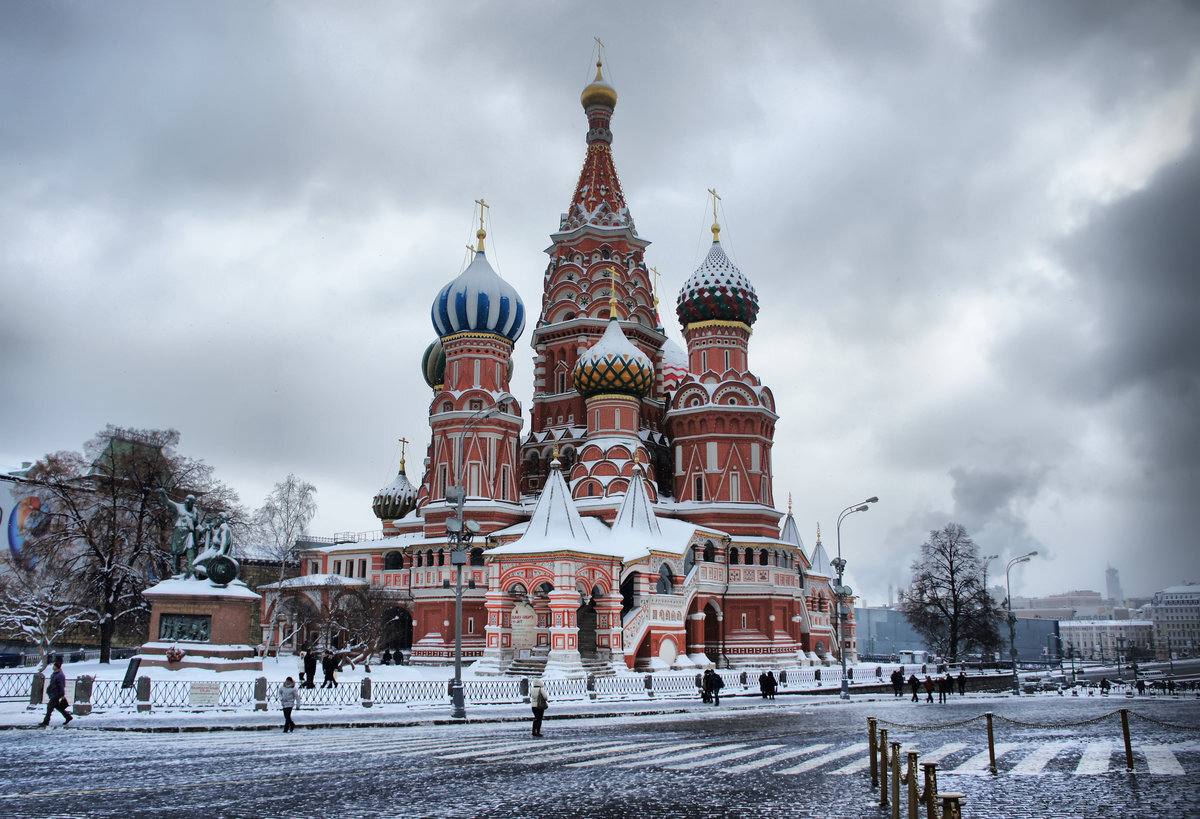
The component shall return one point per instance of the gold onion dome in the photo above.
(614, 365)
(599, 92)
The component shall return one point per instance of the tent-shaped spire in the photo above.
(636, 517)
(555, 523)
(820, 561)
(791, 532)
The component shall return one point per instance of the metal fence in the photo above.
(15, 687)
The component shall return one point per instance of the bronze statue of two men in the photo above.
(192, 528)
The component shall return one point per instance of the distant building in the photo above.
(1112, 582)
(1108, 639)
(1176, 621)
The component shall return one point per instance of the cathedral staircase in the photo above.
(531, 666)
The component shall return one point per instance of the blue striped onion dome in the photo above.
(433, 364)
(614, 364)
(479, 301)
(717, 291)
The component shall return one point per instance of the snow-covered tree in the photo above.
(37, 604)
(283, 519)
(107, 523)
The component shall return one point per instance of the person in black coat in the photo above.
(898, 682)
(915, 685)
(310, 670)
(772, 684)
(329, 666)
(714, 684)
(56, 695)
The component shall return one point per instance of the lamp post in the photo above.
(1071, 651)
(1120, 655)
(1012, 619)
(844, 593)
(460, 532)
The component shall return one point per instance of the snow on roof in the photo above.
(306, 581)
(194, 586)
(791, 533)
(555, 525)
(636, 530)
(819, 563)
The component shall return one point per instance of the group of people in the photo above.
(330, 665)
(943, 685)
(710, 687)
(767, 685)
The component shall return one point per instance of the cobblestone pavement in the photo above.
(1056, 758)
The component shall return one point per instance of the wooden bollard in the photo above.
(871, 725)
(914, 792)
(883, 774)
(1128, 744)
(951, 805)
(929, 794)
(991, 742)
(895, 761)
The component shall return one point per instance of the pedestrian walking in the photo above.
(762, 685)
(928, 688)
(329, 666)
(309, 678)
(56, 695)
(288, 699)
(897, 682)
(702, 681)
(915, 685)
(943, 687)
(772, 684)
(962, 682)
(540, 702)
(1141, 686)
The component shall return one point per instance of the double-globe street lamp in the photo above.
(1012, 618)
(460, 532)
(843, 593)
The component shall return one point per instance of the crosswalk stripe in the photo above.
(668, 759)
(512, 746)
(771, 760)
(981, 762)
(601, 747)
(1095, 759)
(604, 760)
(1034, 764)
(704, 763)
(824, 758)
(1161, 760)
(938, 754)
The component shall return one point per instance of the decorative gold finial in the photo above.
(789, 503)
(555, 451)
(403, 442)
(818, 533)
(654, 270)
(637, 457)
(612, 299)
(599, 58)
(481, 234)
(716, 227)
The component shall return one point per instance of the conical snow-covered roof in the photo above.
(791, 532)
(636, 531)
(555, 524)
(819, 562)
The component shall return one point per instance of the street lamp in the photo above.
(460, 532)
(986, 560)
(843, 593)
(1012, 619)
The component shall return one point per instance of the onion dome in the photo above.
(433, 365)
(717, 291)
(614, 364)
(479, 301)
(396, 499)
(674, 365)
(599, 92)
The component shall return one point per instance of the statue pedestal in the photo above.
(210, 624)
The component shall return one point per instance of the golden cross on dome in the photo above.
(612, 299)
(654, 270)
(716, 228)
(556, 450)
(481, 233)
(403, 443)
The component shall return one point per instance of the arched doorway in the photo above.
(397, 630)
(712, 633)
(585, 620)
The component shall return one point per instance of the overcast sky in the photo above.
(973, 228)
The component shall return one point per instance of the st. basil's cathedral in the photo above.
(634, 524)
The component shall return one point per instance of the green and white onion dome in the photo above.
(717, 291)
(614, 364)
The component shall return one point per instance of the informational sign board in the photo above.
(204, 694)
(524, 626)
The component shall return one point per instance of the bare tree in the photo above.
(946, 602)
(107, 522)
(283, 519)
(36, 603)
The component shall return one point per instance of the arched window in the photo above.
(689, 559)
(665, 584)
(419, 560)
(441, 557)
(763, 557)
(733, 556)
(749, 557)
(393, 561)
(710, 552)
(429, 557)
(477, 556)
